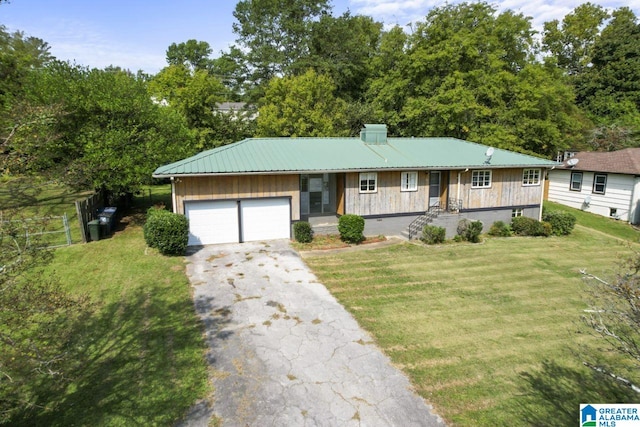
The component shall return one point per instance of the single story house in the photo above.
(257, 188)
(605, 183)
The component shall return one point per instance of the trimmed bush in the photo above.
(351, 228)
(525, 226)
(562, 223)
(463, 225)
(303, 232)
(166, 231)
(432, 234)
(473, 232)
(470, 230)
(500, 229)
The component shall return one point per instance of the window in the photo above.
(516, 212)
(576, 181)
(599, 183)
(368, 182)
(481, 179)
(613, 213)
(531, 177)
(409, 181)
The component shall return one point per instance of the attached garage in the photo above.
(233, 221)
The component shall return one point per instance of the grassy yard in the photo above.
(590, 220)
(486, 332)
(145, 356)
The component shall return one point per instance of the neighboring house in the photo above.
(237, 110)
(605, 183)
(256, 188)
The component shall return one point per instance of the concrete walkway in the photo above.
(284, 352)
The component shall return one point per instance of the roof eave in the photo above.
(307, 171)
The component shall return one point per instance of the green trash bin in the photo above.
(94, 230)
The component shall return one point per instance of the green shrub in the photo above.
(562, 223)
(303, 232)
(500, 229)
(463, 225)
(351, 228)
(525, 226)
(473, 232)
(166, 231)
(470, 230)
(432, 234)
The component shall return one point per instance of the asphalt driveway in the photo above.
(283, 352)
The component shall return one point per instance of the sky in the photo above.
(135, 34)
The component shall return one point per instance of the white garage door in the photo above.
(212, 222)
(265, 219)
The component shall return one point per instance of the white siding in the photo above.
(618, 194)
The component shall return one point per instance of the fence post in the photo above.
(67, 230)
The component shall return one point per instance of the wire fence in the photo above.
(49, 232)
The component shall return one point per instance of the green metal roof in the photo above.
(303, 155)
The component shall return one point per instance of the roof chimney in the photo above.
(374, 134)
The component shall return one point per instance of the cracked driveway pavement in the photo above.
(284, 352)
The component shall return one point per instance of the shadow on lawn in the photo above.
(552, 395)
(142, 364)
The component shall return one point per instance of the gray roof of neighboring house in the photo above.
(297, 155)
(626, 161)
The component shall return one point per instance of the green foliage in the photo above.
(562, 223)
(469, 230)
(303, 232)
(500, 229)
(193, 54)
(432, 234)
(271, 36)
(351, 228)
(166, 231)
(40, 323)
(525, 226)
(303, 105)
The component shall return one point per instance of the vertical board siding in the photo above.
(388, 199)
(239, 187)
(506, 190)
(619, 193)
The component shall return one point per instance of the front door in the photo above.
(318, 194)
(434, 188)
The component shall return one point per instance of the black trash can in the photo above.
(107, 217)
(94, 230)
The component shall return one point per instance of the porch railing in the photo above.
(416, 226)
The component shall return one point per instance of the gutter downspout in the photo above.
(542, 184)
(173, 195)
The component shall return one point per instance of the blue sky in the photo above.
(135, 34)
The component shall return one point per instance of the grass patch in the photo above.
(331, 241)
(145, 360)
(613, 227)
(487, 333)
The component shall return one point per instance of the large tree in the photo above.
(570, 43)
(272, 35)
(470, 72)
(303, 105)
(343, 48)
(102, 130)
(609, 89)
(192, 53)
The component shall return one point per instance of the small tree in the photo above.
(351, 228)
(615, 317)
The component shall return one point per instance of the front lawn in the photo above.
(486, 332)
(144, 361)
